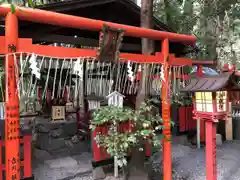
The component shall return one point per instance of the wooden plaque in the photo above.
(58, 113)
(109, 44)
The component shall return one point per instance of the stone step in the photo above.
(61, 162)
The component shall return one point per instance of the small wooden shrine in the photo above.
(94, 101)
(115, 99)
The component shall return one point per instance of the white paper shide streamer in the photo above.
(130, 72)
(33, 66)
(162, 73)
(78, 69)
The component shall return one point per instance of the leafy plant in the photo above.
(145, 124)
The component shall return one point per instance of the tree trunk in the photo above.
(147, 48)
(136, 168)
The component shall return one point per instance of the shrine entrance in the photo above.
(58, 77)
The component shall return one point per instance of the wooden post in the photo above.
(167, 159)
(198, 134)
(1, 165)
(228, 128)
(12, 133)
(211, 169)
(199, 73)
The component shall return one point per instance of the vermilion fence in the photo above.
(186, 120)
(187, 123)
(26, 163)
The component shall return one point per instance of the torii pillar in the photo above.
(12, 134)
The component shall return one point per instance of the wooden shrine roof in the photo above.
(93, 97)
(117, 11)
(212, 83)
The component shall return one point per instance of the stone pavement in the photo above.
(64, 167)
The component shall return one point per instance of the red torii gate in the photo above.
(25, 45)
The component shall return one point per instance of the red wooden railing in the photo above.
(187, 123)
(27, 159)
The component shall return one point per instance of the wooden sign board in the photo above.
(109, 44)
(58, 113)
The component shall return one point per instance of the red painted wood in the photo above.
(192, 122)
(12, 101)
(65, 94)
(48, 17)
(188, 118)
(202, 130)
(95, 148)
(1, 168)
(27, 163)
(182, 119)
(25, 45)
(166, 116)
(187, 123)
(211, 170)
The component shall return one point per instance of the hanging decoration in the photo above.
(78, 68)
(162, 74)
(110, 41)
(64, 78)
(33, 66)
(52, 76)
(130, 72)
(78, 88)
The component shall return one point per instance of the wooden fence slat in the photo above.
(27, 163)
(181, 119)
(1, 168)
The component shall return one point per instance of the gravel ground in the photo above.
(188, 164)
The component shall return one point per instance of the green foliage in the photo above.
(110, 114)
(145, 121)
(14, 5)
(214, 23)
(228, 47)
